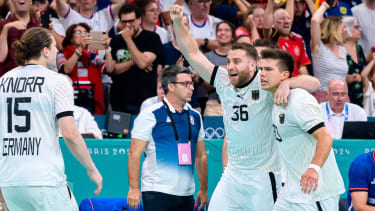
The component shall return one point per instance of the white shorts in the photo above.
(331, 204)
(39, 198)
(247, 191)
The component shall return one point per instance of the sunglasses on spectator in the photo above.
(157, 10)
(186, 84)
(80, 32)
(127, 21)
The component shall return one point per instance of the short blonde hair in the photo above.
(330, 29)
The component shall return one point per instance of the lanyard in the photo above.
(346, 112)
(173, 123)
(330, 126)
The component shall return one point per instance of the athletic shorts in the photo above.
(39, 198)
(245, 190)
(331, 204)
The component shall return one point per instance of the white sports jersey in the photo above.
(248, 123)
(294, 125)
(206, 30)
(32, 98)
(99, 21)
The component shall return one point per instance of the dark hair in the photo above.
(249, 49)
(169, 75)
(31, 44)
(129, 8)
(143, 3)
(261, 42)
(70, 32)
(285, 59)
(231, 26)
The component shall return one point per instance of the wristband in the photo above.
(77, 53)
(108, 50)
(315, 167)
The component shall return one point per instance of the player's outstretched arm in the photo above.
(136, 149)
(309, 180)
(78, 148)
(188, 46)
(359, 201)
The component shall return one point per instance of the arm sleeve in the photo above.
(63, 96)
(359, 174)
(307, 112)
(143, 125)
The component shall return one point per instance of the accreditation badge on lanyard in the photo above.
(184, 149)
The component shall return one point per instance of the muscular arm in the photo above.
(323, 146)
(120, 68)
(309, 83)
(359, 201)
(289, 7)
(188, 46)
(78, 148)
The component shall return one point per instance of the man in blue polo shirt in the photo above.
(361, 194)
(171, 135)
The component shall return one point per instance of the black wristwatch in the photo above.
(205, 43)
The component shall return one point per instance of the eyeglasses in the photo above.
(80, 32)
(127, 21)
(186, 84)
(157, 10)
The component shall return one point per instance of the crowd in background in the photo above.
(329, 41)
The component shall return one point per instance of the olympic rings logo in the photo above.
(215, 133)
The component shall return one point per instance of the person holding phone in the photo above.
(84, 67)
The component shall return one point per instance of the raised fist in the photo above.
(176, 12)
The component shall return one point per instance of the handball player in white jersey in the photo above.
(312, 178)
(251, 178)
(34, 103)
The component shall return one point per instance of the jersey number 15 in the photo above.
(13, 108)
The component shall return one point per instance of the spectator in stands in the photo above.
(336, 110)
(368, 81)
(156, 99)
(231, 10)
(167, 178)
(361, 194)
(150, 16)
(84, 67)
(203, 25)
(303, 11)
(135, 51)
(364, 13)
(252, 25)
(225, 32)
(356, 60)
(12, 30)
(101, 20)
(328, 55)
(282, 20)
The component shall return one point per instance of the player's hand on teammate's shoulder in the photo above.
(282, 94)
(96, 177)
(309, 181)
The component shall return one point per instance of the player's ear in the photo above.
(45, 51)
(285, 75)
